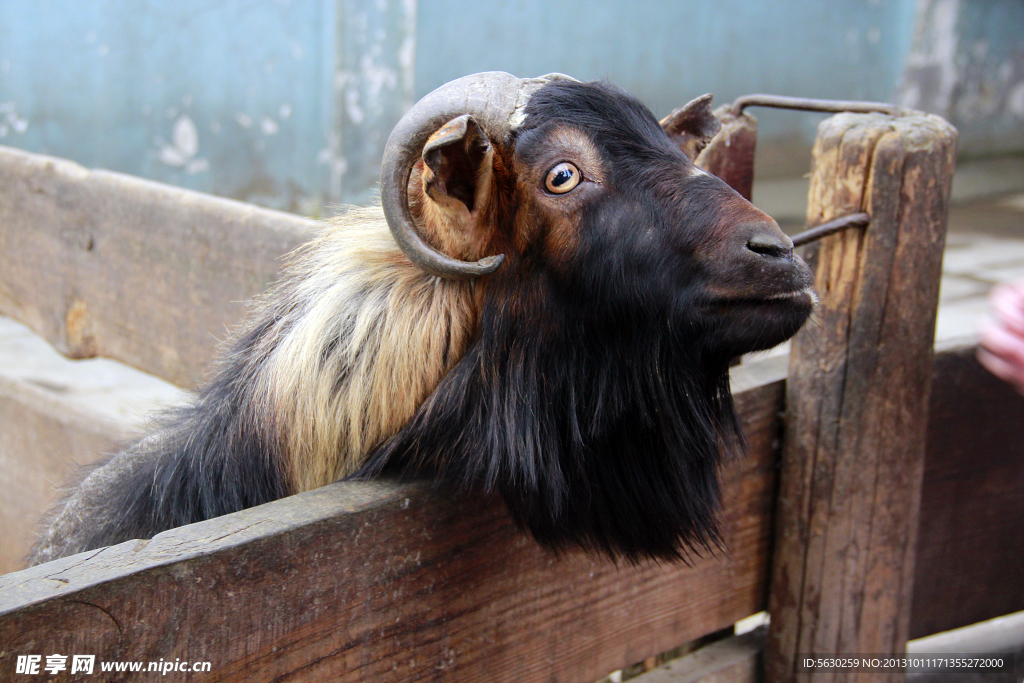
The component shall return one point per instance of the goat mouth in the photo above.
(801, 297)
(754, 323)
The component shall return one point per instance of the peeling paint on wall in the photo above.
(1015, 100)
(184, 143)
(268, 126)
(183, 147)
(967, 65)
(181, 93)
(373, 85)
(10, 122)
(931, 68)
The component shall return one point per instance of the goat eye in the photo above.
(562, 178)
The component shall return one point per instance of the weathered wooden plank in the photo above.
(970, 509)
(55, 416)
(730, 154)
(971, 537)
(857, 394)
(40, 445)
(105, 264)
(382, 581)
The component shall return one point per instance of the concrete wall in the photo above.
(288, 103)
(967, 65)
(279, 103)
(667, 52)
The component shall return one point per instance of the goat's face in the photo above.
(595, 395)
(593, 195)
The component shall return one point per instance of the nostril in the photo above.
(770, 246)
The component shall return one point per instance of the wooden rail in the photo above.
(104, 264)
(857, 394)
(972, 516)
(381, 581)
(322, 577)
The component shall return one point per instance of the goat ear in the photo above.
(692, 125)
(459, 158)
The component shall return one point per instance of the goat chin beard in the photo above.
(630, 471)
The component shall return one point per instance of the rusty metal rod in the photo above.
(807, 104)
(856, 220)
(829, 106)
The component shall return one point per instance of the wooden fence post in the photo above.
(857, 396)
(730, 154)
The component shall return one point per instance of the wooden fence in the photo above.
(385, 581)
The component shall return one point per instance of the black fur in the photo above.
(206, 459)
(596, 398)
(609, 439)
(219, 458)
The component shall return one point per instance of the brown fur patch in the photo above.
(363, 340)
(561, 213)
(445, 223)
(733, 211)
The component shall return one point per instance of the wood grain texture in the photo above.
(971, 535)
(313, 553)
(857, 394)
(730, 154)
(103, 264)
(388, 582)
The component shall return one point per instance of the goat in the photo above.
(582, 372)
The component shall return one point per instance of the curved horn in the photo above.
(496, 100)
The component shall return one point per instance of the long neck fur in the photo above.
(362, 338)
(336, 358)
(604, 436)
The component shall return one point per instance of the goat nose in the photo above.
(770, 244)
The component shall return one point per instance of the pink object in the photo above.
(1002, 336)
